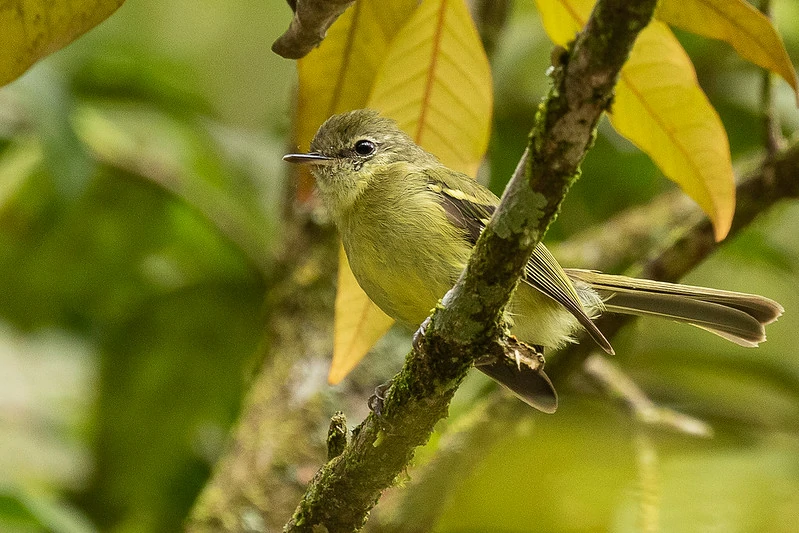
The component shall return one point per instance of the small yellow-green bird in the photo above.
(408, 224)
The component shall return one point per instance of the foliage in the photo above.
(141, 212)
(659, 105)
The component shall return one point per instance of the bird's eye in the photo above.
(365, 147)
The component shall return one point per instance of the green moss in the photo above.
(379, 440)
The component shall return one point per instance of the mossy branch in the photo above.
(634, 234)
(467, 325)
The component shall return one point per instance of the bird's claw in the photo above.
(376, 400)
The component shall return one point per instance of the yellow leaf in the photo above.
(660, 107)
(562, 19)
(339, 75)
(359, 323)
(334, 78)
(32, 29)
(737, 23)
(436, 83)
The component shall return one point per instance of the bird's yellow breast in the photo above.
(398, 259)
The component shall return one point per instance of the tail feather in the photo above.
(735, 316)
(732, 324)
(531, 386)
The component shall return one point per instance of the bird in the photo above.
(408, 225)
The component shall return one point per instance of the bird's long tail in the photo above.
(736, 316)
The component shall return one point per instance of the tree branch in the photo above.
(308, 28)
(466, 325)
(270, 459)
(621, 241)
(634, 234)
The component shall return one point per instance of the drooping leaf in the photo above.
(338, 76)
(660, 107)
(334, 78)
(32, 29)
(16, 166)
(737, 23)
(359, 323)
(435, 81)
(27, 510)
(49, 105)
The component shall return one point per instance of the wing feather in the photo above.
(469, 207)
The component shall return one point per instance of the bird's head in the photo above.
(352, 149)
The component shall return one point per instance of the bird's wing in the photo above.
(545, 274)
(469, 206)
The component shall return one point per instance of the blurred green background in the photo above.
(142, 202)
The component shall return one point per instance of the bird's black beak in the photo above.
(314, 158)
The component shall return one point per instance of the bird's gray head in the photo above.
(351, 149)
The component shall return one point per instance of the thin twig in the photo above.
(772, 133)
(648, 483)
(619, 385)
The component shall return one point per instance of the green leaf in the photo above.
(28, 511)
(49, 106)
